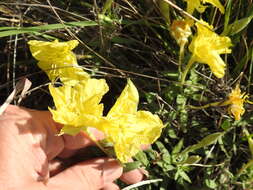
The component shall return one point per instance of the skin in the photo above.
(32, 157)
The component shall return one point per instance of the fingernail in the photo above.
(111, 171)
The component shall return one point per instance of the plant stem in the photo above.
(93, 138)
(188, 66)
(180, 59)
(207, 105)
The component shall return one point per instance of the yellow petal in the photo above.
(79, 105)
(127, 101)
(236, 100)
(181, 30)
(126, 128)
(57, 60)
(207, 46)
(150, 125)
(236, 110)
(197, 4)
(143, 129)
(51, 51)
(216, 3)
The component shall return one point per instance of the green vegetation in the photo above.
(201, 147)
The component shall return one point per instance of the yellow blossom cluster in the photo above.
(77, 101)
(181, 30)
(206, 47)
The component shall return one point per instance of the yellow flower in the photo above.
(181, 30)
(77, 102)
(78, 106)
(58, 60)
(126, 128)
(197, 4)
(207, 46)
(235, 102)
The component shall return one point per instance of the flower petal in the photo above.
(217, 4)
(79, 105)
(195, 4)
(57, 60)
(207, 46)
(127, 102)
(236, 100)
(126, 128)
(48, 51)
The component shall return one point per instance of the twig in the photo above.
(21, 86)
(142, 183)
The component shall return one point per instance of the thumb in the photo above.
(93, 174)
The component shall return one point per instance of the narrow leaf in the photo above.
(208, 140)
(33, 29)
(237, 26)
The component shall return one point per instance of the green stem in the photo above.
(93, 138)
(188, 66)
(180, 59)
(214, 104)
(244, 167)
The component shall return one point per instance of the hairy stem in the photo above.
(188, 66)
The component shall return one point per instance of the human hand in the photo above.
(29, 148)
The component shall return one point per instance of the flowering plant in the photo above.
(77, 102)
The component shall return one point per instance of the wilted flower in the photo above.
(181, 30)
(207, 46)
(235, 103)
(126, 128)
(198, 4)
(57, 60)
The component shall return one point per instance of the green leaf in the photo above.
(181, 99)
(165, 153)
(150, 96)
(141, 156)
(165, 10)
(199, 98)
(37, 29)
(178, 147)
(208, 140)
(181, 173)
(243, 61)
(165, 166)
(131, 166)
(226, 124)
(237, 26)
(185, 176)
(191, 160)
(227, 15)
(172, 133)
(211, 183)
